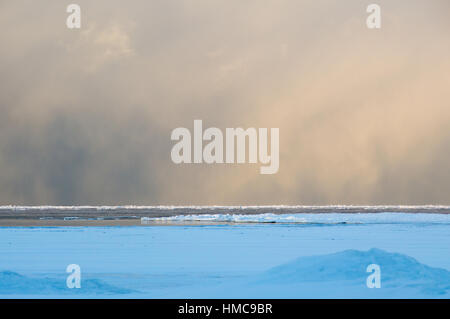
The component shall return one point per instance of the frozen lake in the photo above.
(263, 256)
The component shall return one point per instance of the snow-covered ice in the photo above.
(317, 218)
(326, 256)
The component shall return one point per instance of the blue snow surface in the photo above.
(319, 256)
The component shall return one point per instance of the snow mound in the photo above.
(398, 271)
(12, 283)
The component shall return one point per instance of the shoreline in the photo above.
(54, 216)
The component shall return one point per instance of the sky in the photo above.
(86, 114)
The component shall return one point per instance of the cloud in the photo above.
(87, 114)
(101, 46)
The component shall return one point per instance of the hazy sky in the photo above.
(86, 115)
